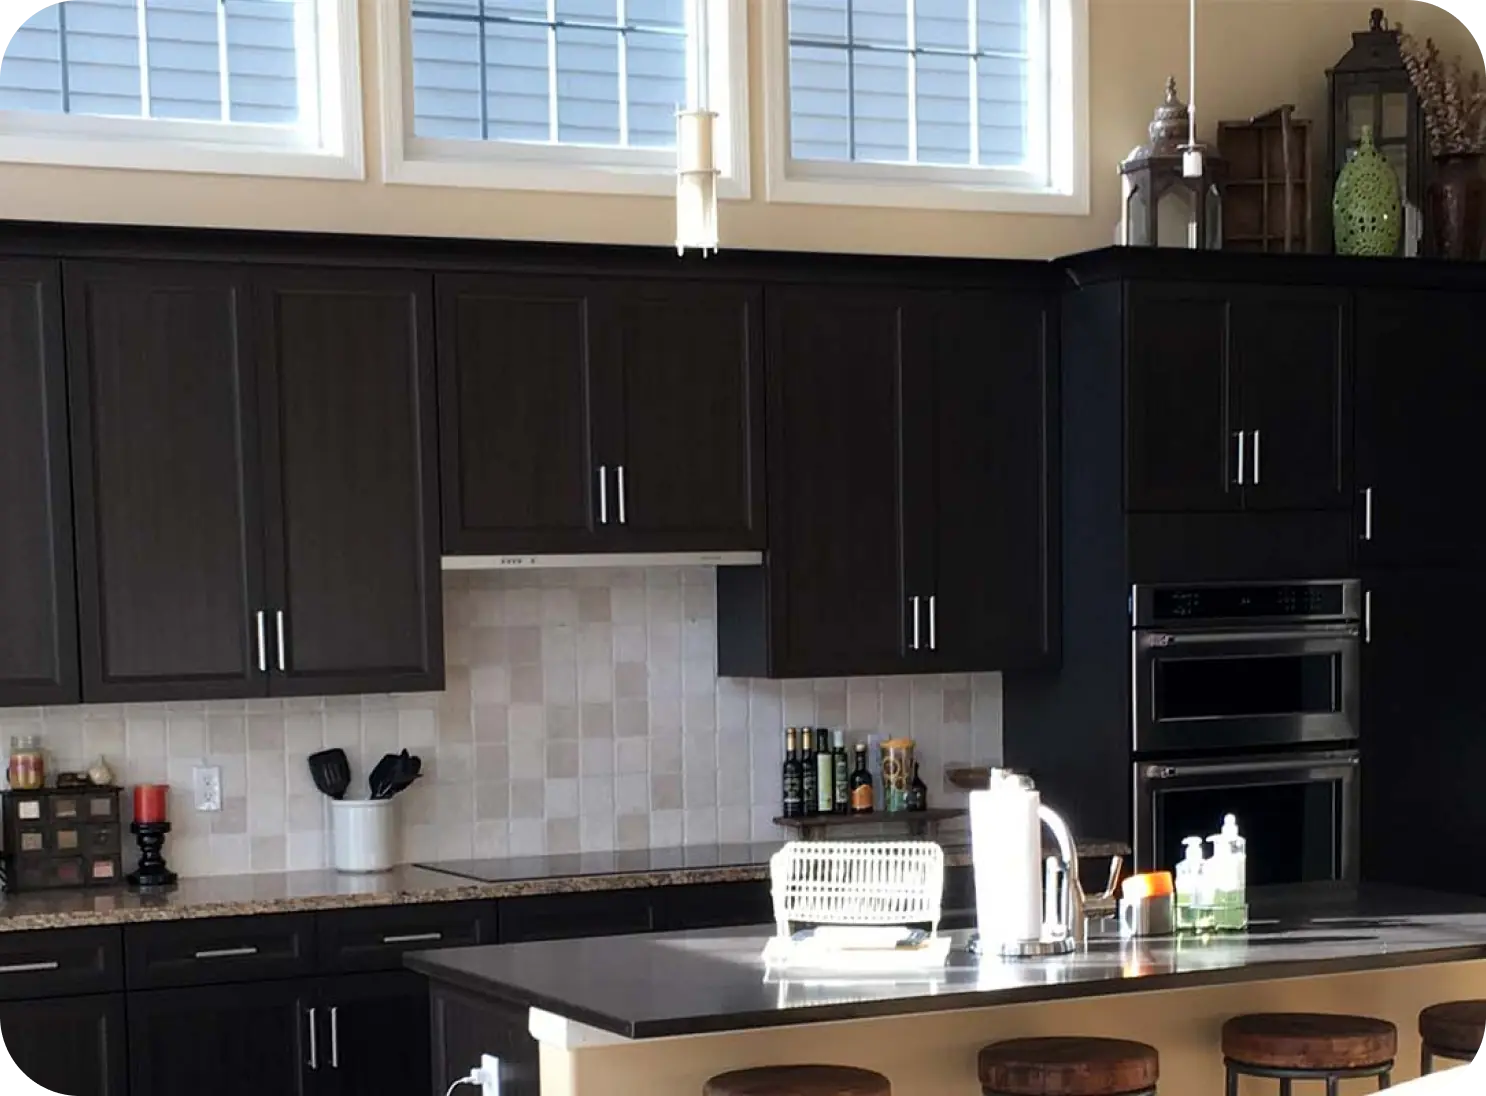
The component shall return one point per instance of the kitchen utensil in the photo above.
(382, 774)
(407, 770)
(1006, 823)
(331, 772)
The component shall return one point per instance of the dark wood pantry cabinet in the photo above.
(911, 435)
(38, 606)
(587, 414)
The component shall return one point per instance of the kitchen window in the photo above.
(557, 94)
(237, 86)
(970, 104)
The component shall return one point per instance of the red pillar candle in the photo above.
(149, 802)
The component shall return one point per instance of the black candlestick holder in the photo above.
(152, 871)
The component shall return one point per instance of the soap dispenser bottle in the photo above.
(1189, 884)
(1232, 900)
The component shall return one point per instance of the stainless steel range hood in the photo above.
(602, 559)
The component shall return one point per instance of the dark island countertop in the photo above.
(692, 983)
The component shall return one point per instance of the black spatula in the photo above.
(331, 772)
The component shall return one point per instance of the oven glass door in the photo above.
(1298, 815)
(1197, 691)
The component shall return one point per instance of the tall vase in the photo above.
(1366, 209)
(1457, 206)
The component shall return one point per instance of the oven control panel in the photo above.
(1156, 605)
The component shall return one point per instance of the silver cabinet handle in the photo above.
(414, 938)
(1367, 513)
(619, 472)
(314, 1041)
(913, 606)
(29, 968)
(262, 646)
(1367, 617)
(603, 494)
(335, 1037)
(278, 622)
(1240, 458)
(1256, 458)
(933, 624)
(226, 953)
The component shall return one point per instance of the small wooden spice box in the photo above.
(62, 837)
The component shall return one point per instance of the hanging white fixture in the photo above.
(696, 163)
(1192, 166)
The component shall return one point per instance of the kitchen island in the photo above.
(659, 1014)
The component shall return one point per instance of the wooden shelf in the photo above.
(919, 823)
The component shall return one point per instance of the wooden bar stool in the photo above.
(1068, 1066)
(1453, 1030)
(1308, 1046)
(799, 1081)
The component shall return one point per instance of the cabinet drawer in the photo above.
(61, 962)
(219, 949)
(567, 916)
(715, 905)
(374, 939)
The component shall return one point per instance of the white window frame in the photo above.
(513, 165)
(921, 186)
(170, 144)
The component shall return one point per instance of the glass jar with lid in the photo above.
(27, 763)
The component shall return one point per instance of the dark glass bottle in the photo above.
(825, 773)
(862, 794)
(794, 802)
(840, 776)
(918, 792)
(808, 793)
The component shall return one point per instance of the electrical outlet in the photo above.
(490, 1066)
(206, 787)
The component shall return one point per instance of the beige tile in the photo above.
(596, 796)
(489, 645)
(560, 682)
(492, 723)
(594, 606)
(562, 721)
(492, 799)
(527, 797)
(957, 706)
(379, 733)
(632, 755)
(526, 684)
(630, 643)
(562, 835)
(306, 813)
(632, 831)
(145, 737)
(267, 853)
(632, 719)
(631, 681)
(418, 730)
(597, 720)
(265, 732)
(490, 683)
(562, 760)
(627, 605)
(596, 757)
(232, 818)
(492, 762)
(665, 791)
(224, 734)
(560, 798)
(665, 753)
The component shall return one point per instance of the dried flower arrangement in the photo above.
(1454, 103)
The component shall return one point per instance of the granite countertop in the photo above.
(449, 881)
(690, 983)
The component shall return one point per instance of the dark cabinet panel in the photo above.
(1420, 406)
(993, 530)
(378, 1036)
(351, 483)
(38, 621)
(376, 938)
(466, 1027)
(566, 916)
(70, 1045)
(168, 518)
(1291, 353)
(515, 379)
(239, 1040)
(60, 962)
(219, 949)
(689, 360)
(1181, 426)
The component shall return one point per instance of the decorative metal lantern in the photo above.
(1371, 87)
(1166, 203)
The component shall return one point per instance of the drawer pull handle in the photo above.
(414, 938)
(226, 953)
(29, 968)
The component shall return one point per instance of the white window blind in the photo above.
(919, 82)
(598, 73)
(234, 61)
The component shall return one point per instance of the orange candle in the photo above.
(149, 802)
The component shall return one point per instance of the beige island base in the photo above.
(933, 1054)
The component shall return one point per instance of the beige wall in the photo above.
(1254, 54)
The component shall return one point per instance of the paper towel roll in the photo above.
(1006, 849)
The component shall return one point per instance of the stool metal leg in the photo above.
(1232, 1082)
(1385, 1080)
(1285, 1087)
(1332, 1085)
(1426, 1061)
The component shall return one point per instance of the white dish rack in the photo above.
(857, 900)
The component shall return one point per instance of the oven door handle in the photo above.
(1280, 764)
(1167, 640)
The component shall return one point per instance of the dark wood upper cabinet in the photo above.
(38, 604)
(170, 570)
(1419, 421)
(69, 1045)
(351, 487)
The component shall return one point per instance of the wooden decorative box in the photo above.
(62, 837)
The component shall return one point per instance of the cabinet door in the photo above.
(1180, 422)
(38, 606)
(1419, 419)
(1291, 352)
(164, 473)
(466, 1026)
(994, 440)
(690, 407)
(836, 567)
(240, 1040)
(350, 482)
(515, 385)
(378, 1035)
(69, 1045)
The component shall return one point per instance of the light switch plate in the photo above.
(206, 787)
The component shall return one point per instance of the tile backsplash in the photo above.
(583, 711)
